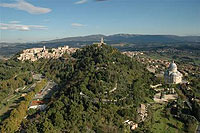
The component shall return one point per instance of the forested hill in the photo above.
(102, 89)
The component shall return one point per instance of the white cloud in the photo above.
(25, 6)
(20, 27)
(14, 22)
(81, 2)
(77, 25)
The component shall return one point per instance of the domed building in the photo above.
(172, 75)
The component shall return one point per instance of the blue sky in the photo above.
(36, 20)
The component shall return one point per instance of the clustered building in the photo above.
(37, 53)
(172, 75)
(132, 54)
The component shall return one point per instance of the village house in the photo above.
(37, 53)
(38, 105)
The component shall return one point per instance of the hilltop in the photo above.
(101, 89)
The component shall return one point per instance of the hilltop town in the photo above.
(36, 53)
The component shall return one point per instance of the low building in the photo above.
(38, 105)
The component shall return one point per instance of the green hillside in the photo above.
(101, 90)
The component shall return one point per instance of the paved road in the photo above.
(31, 87)
(96, 100)
(47, 90)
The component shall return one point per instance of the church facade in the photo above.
(172, 75)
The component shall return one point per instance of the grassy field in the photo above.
(162, 124)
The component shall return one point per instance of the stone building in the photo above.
(172, 75)
(37, 53)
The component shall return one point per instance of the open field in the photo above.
(170, 125)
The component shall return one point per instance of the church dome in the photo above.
(173, 67)
(172, 75)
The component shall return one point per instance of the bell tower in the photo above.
(102, 40)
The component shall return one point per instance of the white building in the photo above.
(40, 107)
(37, 53)
(172, 75)
(101, 43)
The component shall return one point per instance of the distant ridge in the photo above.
(126, 38)
(8, 49)
(79, 38)
(130, 38)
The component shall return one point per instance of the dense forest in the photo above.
(99, 89)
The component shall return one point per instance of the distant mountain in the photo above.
(131, 38)
(126, 38)
(80, 38)
(8, 49)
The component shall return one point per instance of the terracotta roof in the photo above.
(37, 103)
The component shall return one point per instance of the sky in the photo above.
(39, 20)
